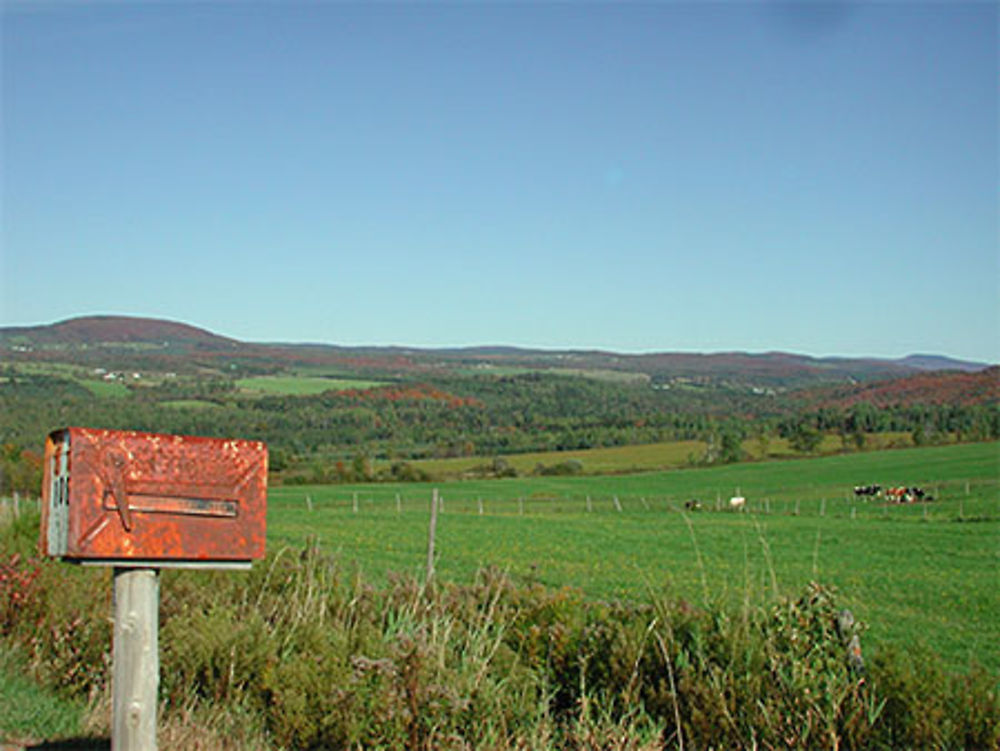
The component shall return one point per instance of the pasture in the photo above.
(917, 574)
(648, 457)
(300, 385)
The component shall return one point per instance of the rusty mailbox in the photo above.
(126, 498)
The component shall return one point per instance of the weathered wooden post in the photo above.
(140, 502)
(135, 666)
(431, 533)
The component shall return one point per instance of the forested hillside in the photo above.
(338, 410)
(451, 416)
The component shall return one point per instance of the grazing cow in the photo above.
(867, 490)
(737, 503)
(899, 495)
(693, 505)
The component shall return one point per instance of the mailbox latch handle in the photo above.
(114, 465)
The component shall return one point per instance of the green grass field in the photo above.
(917, 574)
(645, 458)
(295, 385)
(81, 375)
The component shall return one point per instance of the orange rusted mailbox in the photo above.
(125, 498)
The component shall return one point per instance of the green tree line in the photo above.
(454, 416)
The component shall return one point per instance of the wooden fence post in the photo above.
(135, 671)
(430, 536)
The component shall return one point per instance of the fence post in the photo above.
(618, 504)
(480, 501)
(399, 504)
(590, 506)
(135, 676)
(430, 535)
(355, 503)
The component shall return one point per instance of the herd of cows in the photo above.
(893, 495)
(912, 494)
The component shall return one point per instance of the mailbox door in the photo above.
(131, 496)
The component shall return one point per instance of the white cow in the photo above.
(737, 503)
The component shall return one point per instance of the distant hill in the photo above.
(937, 362)
(97, 330)
(163, 344)
(959, 388)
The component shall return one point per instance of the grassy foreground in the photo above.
(302, 654)
(921, 573)
(696, 630)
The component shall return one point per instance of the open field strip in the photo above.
(301, 385)
(645, 457)
(922, 573)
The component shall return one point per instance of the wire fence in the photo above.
(964, 500)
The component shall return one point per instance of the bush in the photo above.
(562, 469)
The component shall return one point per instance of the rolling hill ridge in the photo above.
(146, 342)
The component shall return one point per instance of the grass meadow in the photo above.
(566, 613)
(917, 574)
(648, 457)
(300, 385)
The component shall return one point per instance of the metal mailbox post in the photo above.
(141, 502)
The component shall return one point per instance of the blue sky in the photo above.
(816, 178)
